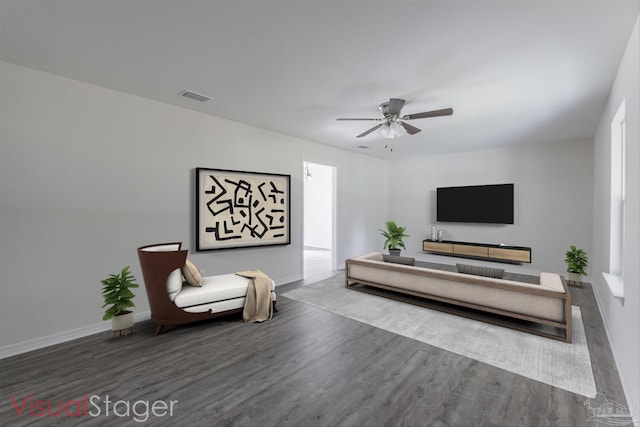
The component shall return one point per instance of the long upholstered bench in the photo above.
(547, 303)
(174, 302)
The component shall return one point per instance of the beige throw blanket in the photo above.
(257, 306)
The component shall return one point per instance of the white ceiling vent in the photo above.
(193, 95)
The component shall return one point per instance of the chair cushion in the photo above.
(476, 270)
(218, 306)
(163, 248)
(399, 259)
(191, 274)
(214, 288)
(174, 283)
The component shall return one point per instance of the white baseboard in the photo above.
(61, 337)
(626, 388)
(84, 331)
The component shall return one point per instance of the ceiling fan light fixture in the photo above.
(393, 123)
(397, 129)
(392, 130)
(384, 131)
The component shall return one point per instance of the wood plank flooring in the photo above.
(306, 367)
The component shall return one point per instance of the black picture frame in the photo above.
(239, 209)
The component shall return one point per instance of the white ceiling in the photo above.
(515, 72)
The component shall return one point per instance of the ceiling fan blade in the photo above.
(427, 114)
(365, 133)
(395, 105)
(343, 118)
(411, 130)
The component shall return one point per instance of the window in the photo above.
(616, 231)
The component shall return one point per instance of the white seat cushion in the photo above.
(214, 288)
(163, 248)
(174, 283)
(219, 306)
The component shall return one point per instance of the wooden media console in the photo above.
(484, 251)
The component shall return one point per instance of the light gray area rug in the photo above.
(562, 365)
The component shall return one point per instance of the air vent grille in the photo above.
(195, 96)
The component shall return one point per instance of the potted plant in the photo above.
(394, 235)
(577, 262)
(116, 291)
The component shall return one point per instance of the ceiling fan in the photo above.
(394, 124)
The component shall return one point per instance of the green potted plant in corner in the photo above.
(577, 262)
(116, 291)
(394, 235)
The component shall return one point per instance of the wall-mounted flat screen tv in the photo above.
(491, 204)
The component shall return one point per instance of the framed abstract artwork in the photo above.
(241, 209)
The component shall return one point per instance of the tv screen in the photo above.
(492, 204)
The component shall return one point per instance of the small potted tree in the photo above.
(394, 235)
(116, 291)
(577, 262)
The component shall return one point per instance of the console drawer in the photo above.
(446, 248)
(510, 254)
(469, 250)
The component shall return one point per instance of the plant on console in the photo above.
(394, 235)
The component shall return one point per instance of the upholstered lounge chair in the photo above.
(175, 303)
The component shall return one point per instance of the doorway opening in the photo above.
(319, 194)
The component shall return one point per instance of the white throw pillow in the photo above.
(174, 283)
(191, 274)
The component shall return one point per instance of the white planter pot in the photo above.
(575, 277)
(122, 322)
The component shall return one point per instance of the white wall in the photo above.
(622, 320)
(89, 174)
(553, 198)
(318, 207)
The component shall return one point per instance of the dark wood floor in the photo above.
(306, 367)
